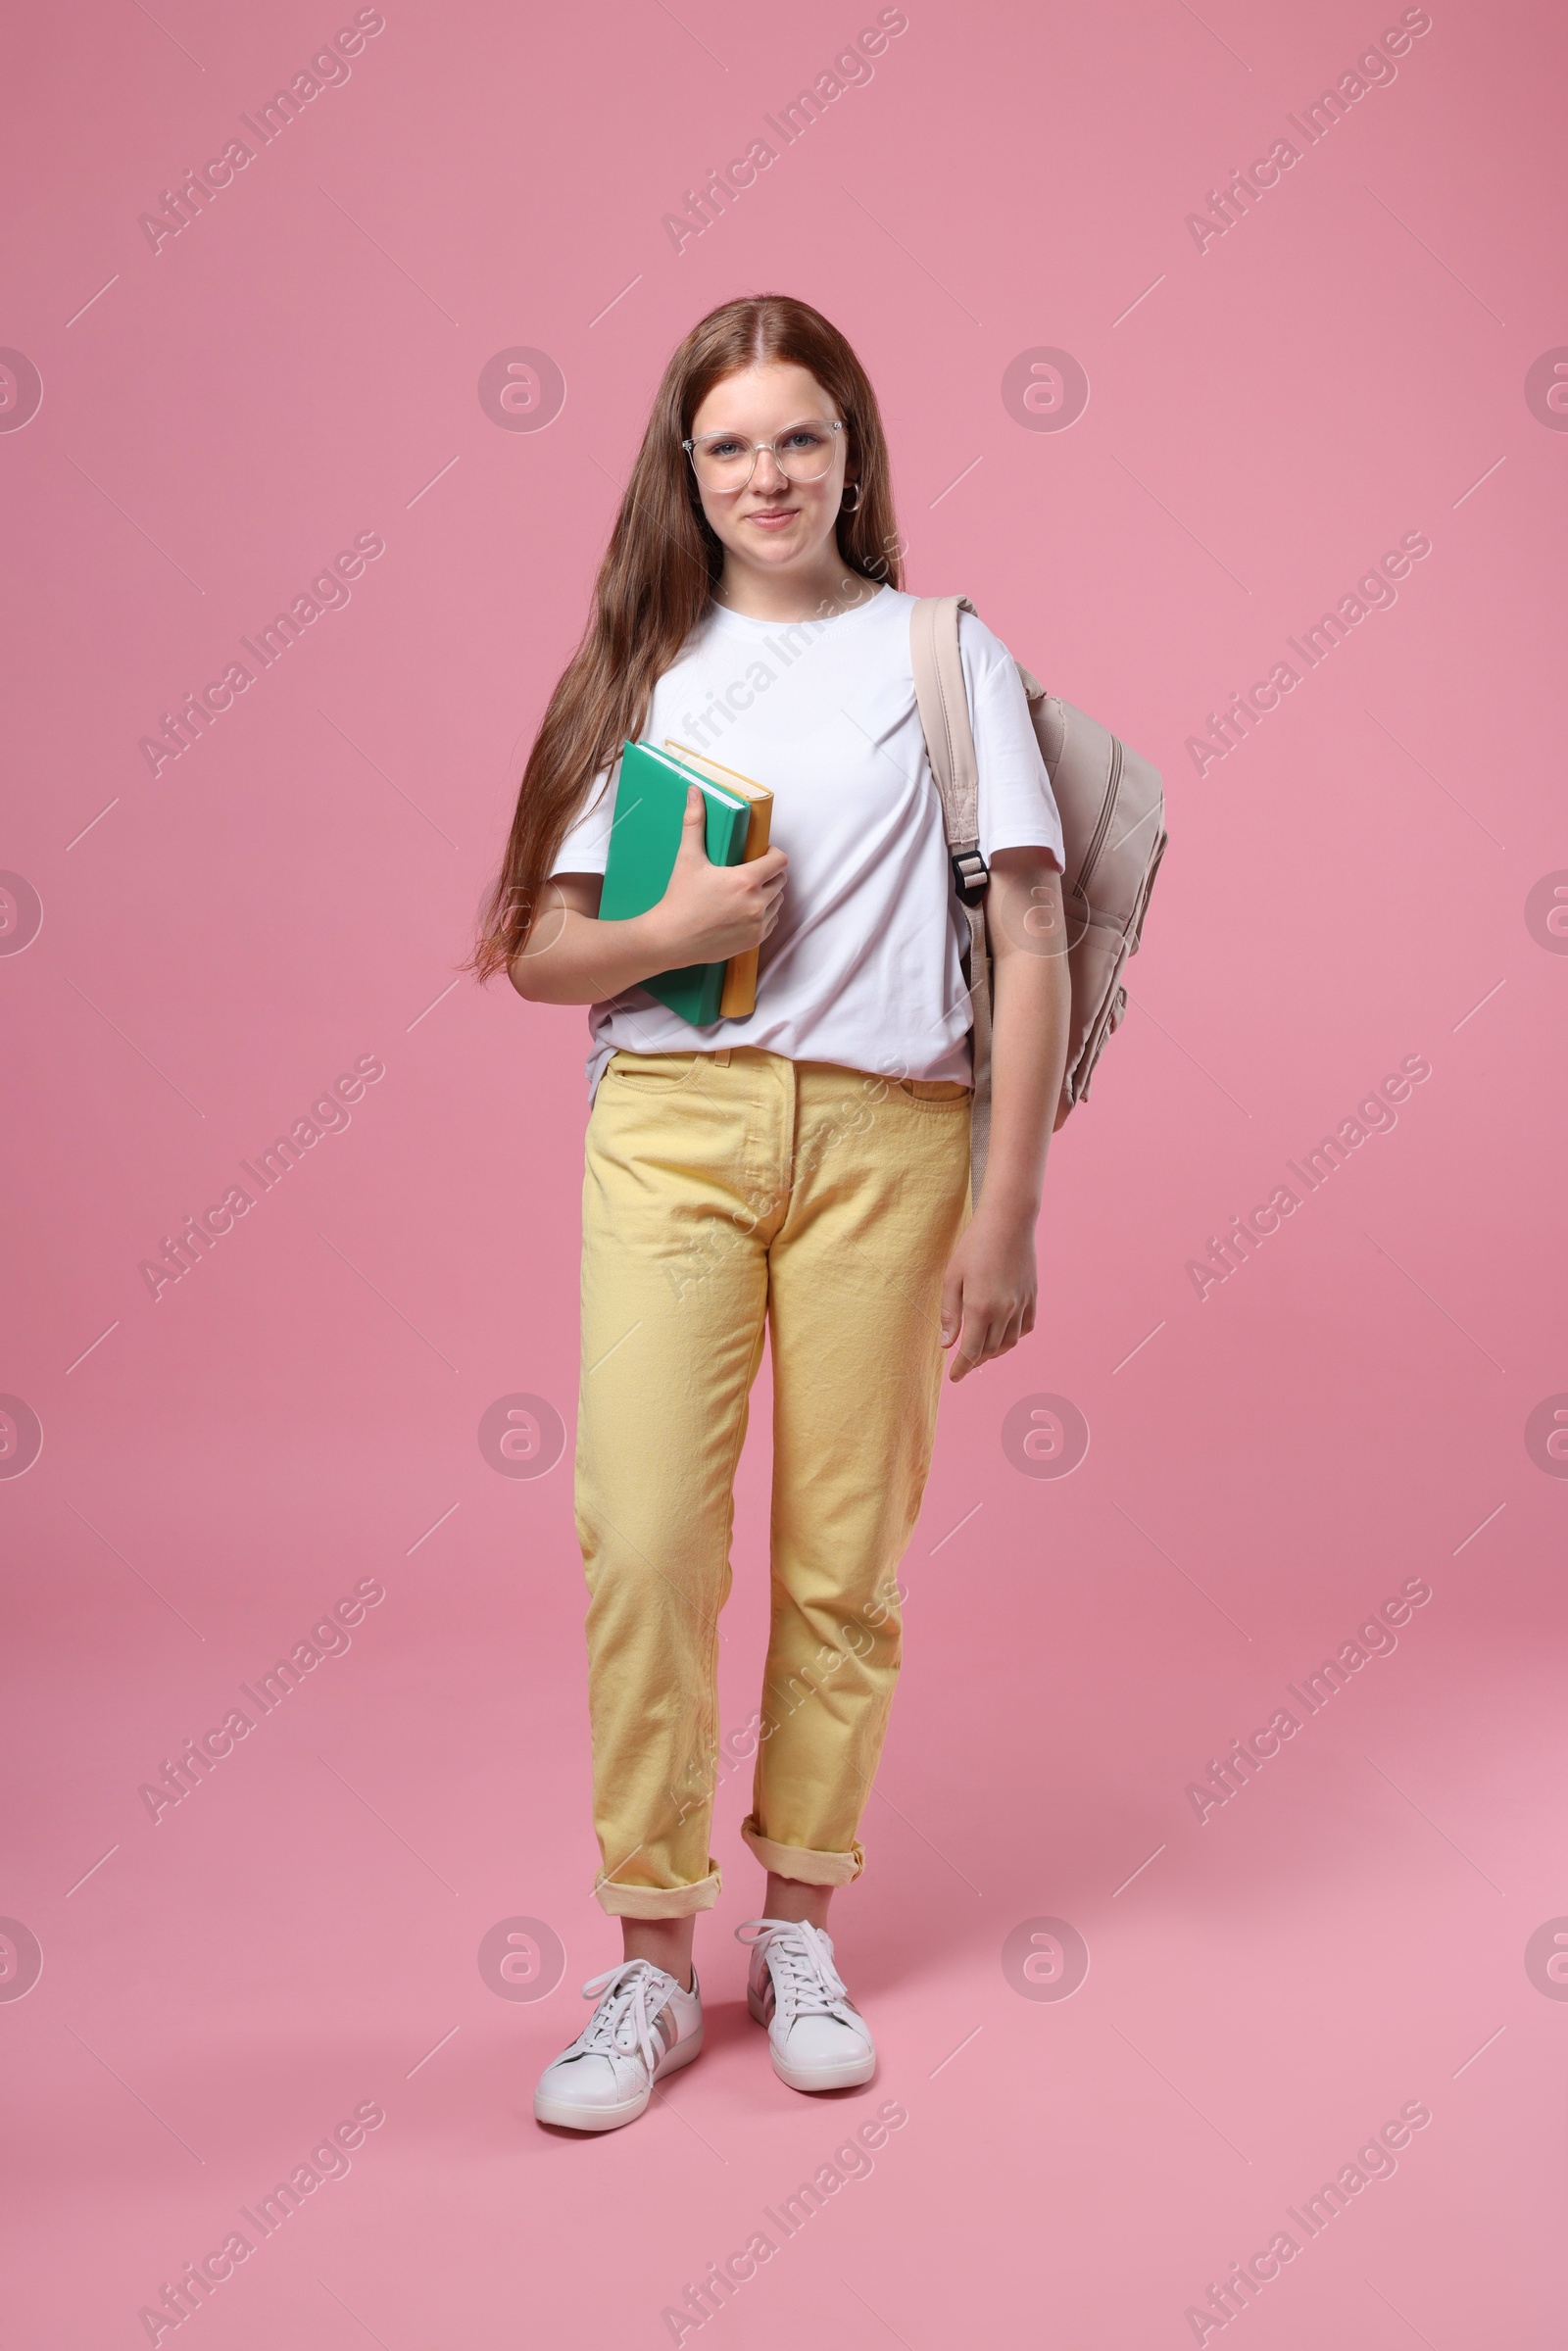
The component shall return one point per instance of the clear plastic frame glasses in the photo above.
(726, 461)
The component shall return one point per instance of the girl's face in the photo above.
(771, 523)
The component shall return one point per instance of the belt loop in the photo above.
(721, 1058)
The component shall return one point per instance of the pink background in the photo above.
(1348, 887)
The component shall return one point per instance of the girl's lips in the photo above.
(773, 518)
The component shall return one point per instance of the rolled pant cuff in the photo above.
(660, 1902)
(800, 1862)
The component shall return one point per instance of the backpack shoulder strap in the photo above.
(939, 689)
(944, 703)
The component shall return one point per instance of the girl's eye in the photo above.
(723, 449)
(804, 436)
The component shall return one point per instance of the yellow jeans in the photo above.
(727, 1194)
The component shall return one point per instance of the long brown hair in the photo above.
(656, 576)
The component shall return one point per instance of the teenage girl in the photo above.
(804, 1171)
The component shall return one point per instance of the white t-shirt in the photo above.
(862, 966)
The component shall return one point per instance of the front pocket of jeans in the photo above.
(932, 1101)
(656, 1070)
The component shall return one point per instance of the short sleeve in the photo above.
(1017, 807)
(586, 846)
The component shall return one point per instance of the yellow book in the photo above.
(739, 999)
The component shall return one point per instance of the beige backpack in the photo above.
(1112, 821)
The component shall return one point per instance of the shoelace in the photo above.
(622, 2024)
(805, 1983)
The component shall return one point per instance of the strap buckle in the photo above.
(970, 876)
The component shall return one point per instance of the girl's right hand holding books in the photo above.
(710, 913)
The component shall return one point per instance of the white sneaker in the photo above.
(818, 2038)
(643, 2027)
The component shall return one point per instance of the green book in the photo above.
(649, 811)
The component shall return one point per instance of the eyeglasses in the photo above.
(726, 461)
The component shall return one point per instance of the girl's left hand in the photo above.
(988, 1293)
